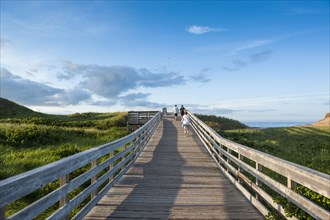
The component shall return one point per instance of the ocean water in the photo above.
(275, 124)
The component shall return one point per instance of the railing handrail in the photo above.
(16, 187)
(228, 155)
(294, 173)
(140, 117)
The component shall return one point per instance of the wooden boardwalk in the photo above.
(174, 178)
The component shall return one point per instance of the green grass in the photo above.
(12, 109)
(29, 142)
(307, 146)
(221, 123)
(30, 139)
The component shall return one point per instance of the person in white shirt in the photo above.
(186, 123)
(176, 112)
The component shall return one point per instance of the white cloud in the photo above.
(305, 11)
(260, 57)
(195, 29)
(200, 77)
(139, 99)
(95, 85)
(112, 81)
(253, 59)
(318, 98)
(29, 92)
(251, 45)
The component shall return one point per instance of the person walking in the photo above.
(176, 112)
(182, 109)
(186, 123)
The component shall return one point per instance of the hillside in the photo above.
(323, 122)
(221, 123)
(9, 109)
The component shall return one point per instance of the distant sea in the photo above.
(275, 124)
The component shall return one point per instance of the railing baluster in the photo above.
(290, 183)
(64, 180)
(240, 157)
(317, 181)
(258, 182)
(11, 189)
(94, 178)
(111, 154)
(228, 160)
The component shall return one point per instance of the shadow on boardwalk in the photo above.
(174, 178)
(150, 187)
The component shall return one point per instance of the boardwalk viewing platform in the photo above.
(174, 178)
(156, 172)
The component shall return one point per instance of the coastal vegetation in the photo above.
(31, 139)
(221, 123)
(304, 145)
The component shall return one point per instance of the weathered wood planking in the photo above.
(136, 119)
(174, 178)
(230, 156)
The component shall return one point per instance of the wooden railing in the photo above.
(140, 117)
(136, 119)
(99, 169)
(249, 170)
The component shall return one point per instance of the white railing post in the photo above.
(111, 154)
(64, 180)
(228, 160)
(94, 178)
(240, 157)
(11, 189)
(290, 183)
(258, 182)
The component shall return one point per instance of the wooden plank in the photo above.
(317, 181)
(174, 178)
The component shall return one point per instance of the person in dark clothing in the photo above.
(182, 111)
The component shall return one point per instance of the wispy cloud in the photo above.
(304, 11)
(112, 81)
(274, 100)
(109, 84)
(250, 45)
(252, 59)
(30, 92)
(199, 30)
(260, 57)
(63, 20)
(139, 99)
(236, 65)
(4, 42)
(201, 77)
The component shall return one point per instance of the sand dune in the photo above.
(323, 122)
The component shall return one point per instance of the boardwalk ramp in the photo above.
(174, 178)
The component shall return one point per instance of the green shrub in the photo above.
(221, 123)
(307, 146)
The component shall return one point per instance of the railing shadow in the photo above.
(152, 184)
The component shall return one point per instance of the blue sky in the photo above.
(246, 60)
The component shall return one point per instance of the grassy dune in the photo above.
(30, 139)
(305, 145)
